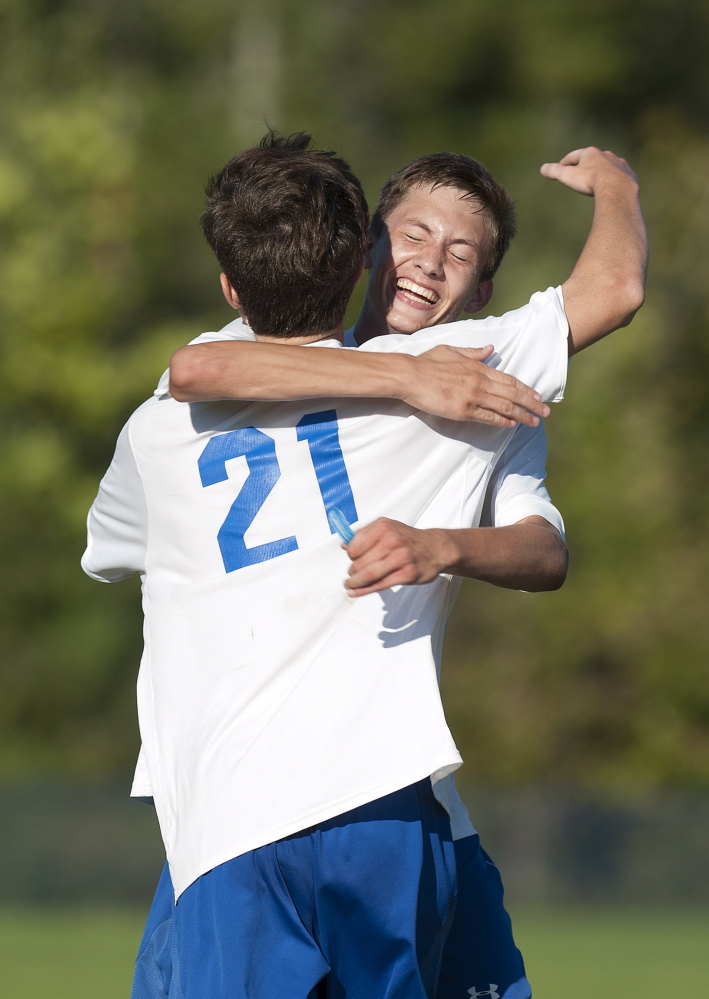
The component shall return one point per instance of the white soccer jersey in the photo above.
(516, 490)
(268, 699)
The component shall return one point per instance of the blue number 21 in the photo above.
(320, 431)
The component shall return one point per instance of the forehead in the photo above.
(443, 210)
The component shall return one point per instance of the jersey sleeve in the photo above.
(118, 520)
(516, 489)
(141, 787)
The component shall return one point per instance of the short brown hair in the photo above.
(288, 225)
(465, 174)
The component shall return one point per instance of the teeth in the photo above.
(405, 285)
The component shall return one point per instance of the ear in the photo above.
(483, 294)
(228, 292)
(369, 246)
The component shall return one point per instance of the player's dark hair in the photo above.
(288, 225)
(466, 175)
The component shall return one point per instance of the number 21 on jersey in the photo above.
(321, 432)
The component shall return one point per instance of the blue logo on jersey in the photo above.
(321, 432)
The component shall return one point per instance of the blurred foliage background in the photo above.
(113, 115)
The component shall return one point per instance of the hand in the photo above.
(387, 553)
(584, 169)
(453, 382)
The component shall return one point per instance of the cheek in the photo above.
(401, 253)
(461, 285)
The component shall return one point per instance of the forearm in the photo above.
(607, 285)
(530, 555)
(451, 382)
(269, 372)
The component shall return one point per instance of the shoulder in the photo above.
(235, 330)
(155, 415)
(548, 305)
(544, 307)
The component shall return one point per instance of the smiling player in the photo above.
(440, 231)
(463, 241)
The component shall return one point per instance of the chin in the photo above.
(406, 329)
(408, 324)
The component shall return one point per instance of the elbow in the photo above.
(183, 374)
(557, 577)
(559, 566)
(555, 570)
(634, 298)
(553, 579)
(627, 295)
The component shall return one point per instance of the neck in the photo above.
(336, 333)
(370, 323)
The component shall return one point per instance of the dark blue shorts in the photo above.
(480, 957)
(357, 906)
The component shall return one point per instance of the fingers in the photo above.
(384, 554)
(571, 159)
(513, 403)
(393, 579)
(379, 574)
(493, 418)
(574, 177)
(377, 565)
(502, 411)
(552, 171)
(496, 376)
(476, 353)
(457, 385)
(515, 396)
(366, 538)
(493, 373)
(505, 405)
(582, 168)
(575, 156)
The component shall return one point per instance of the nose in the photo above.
(430, 260)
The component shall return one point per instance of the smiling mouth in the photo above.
(416, 292)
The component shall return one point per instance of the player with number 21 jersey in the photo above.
(270, 700)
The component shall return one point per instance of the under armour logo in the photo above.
(492, 992)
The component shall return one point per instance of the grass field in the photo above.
(570, 953)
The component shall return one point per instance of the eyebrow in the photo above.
(457, 240)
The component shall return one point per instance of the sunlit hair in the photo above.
(466, 175)
(288, 226)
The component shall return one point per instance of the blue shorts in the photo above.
(357, 906)
(480, 957)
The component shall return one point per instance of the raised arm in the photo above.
(451, 382)
(607, 285)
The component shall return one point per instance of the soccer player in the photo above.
(290, 732)
(439, 233)
(446, 223)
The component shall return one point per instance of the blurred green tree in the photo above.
(114, 115)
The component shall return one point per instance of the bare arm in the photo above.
(446, 381)
(607, 285)
(529, 555)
